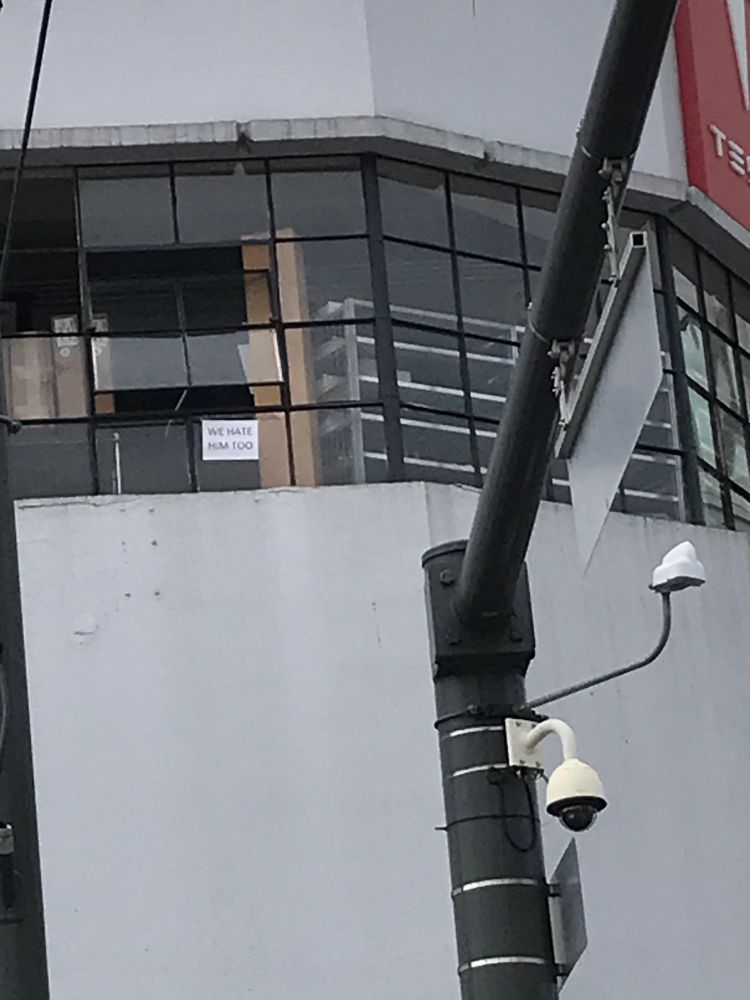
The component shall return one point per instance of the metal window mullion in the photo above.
(277, 324)
(385, 352)
(87, 326)
(685, 431)
(463, 359)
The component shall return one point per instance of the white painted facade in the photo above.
(237, 775)
(499, 71)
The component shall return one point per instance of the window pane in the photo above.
(734, 450)
(725, 375)
(237, 357)
(539, 208)
(692, 347)
(221, 202)
(45, 212)
(215, 302)
(316, 202)
(485, 217)
(652, 486)
(147, 362)
(701, 417)
(716, 295)
(437, 447)
(660, 428)
(40, 287)
(429, 372)
(45, 377)
(126, 211)
(149, 458)
(50, 460)
(490, 373)
(713, 510)
(130, 292)
(336, 363)
(322, 275)
(493, 298)
(336, 446)
(684, 269)
(413, 203)
(420, 284)
(741, 297)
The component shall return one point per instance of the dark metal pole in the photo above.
(498, 880)
(603, 157)
(478, 599)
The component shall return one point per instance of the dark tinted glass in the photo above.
(221, 202)
(126, 211)
(413, 203)
(485, 217)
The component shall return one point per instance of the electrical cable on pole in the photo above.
(41, 46)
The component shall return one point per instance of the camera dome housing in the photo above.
(575, 795)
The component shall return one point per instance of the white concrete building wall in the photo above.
(498, 70)
(237, 774)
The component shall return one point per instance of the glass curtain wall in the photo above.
(366, 312)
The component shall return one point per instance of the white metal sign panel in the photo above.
(229, 440)
(624, 393)
(569, 937)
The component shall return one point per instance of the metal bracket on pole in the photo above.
(615, 172)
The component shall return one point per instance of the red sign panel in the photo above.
(714, 63)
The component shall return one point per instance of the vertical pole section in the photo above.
(27, 953)
(499, 891)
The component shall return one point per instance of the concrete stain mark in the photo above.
(378, 636)
(84, 626)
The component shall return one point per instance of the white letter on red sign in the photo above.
(719, 138)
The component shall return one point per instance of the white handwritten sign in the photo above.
(230, 440)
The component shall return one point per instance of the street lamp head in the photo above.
(680, 568)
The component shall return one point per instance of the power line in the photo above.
(31, 104)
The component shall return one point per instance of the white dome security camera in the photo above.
(575, 795)
(680, 568)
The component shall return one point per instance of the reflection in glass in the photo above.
(539, 208)
(716, 295)
(652, 485)
(734, 449)
(428, 368)
(493, 298)
(413, 203)
(320, 275)
(725, 376)
(339, 363)
(437, 447)
(220, 202)
(485, 217)
(700, 413)
(684, 269)
(660, 428)
(490, 373)
(713, 510)
(147, 362)
(741, 298)
(420, 283)
(309, 202)
(692, 347)
(143, 458)
(50, 460)
(126, 211)
(338, 446)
